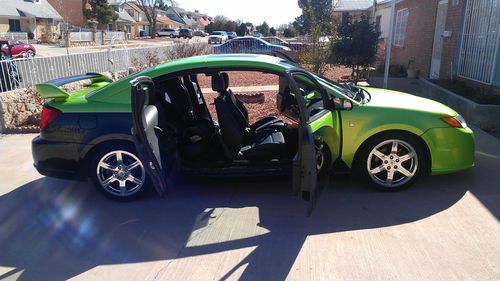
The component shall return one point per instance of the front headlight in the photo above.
(456, 122)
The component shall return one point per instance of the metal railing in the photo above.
(24, 73)
(21, 36)
(479, 48)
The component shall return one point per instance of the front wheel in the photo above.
(118, 173)
(30, 54)
(2, 56)
(172, 36)
(391, 162)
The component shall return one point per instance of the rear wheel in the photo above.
(118, 173)
(172, 36)
(2, 56)
(391, 162)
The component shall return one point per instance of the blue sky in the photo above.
(275, 12)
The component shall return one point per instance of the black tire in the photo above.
(405, 143)
(97, 175)
(172, 36)
(2, 56)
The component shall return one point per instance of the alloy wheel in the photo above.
(121, 173)
(392, 163)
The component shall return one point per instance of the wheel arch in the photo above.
(89, 150)
(421, 142)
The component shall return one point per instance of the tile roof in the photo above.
(23, 8)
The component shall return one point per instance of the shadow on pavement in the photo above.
(53, 229)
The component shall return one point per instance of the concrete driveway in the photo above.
(444, 228)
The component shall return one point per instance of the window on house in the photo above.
(400, 27)
(14, 25)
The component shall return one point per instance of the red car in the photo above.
(15, 49)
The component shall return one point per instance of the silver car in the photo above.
(172, 33)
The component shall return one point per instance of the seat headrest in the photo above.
(225, 77)
(218, 83)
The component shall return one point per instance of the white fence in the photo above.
(25, 73)
(480, 41)
(21, 36)
(80, 36)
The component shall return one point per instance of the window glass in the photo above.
(400, 27)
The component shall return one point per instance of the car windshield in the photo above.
(216, 33)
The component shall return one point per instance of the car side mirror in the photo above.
(342, 104)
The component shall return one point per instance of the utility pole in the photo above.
(389, 44)
(374, 10)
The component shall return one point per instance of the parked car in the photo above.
(256, 34)
(16, 49)
(249, 45)
(231, 35)
(200, 33)
(172, 33)
(10, 78)
(388, 138)
(217, 37)
(185, 33)
(278, 41)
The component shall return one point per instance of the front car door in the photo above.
(308, 178)
(146, 132)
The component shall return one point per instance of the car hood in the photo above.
(215, 36)
(394, 99)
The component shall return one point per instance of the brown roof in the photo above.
(135, 7)
(165, 20)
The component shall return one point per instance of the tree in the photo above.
(263, 28)
(272, 31)
(100, 12)
(357, 45)
(150, 8)
(289, 32)
(315, 12)
(241, 30)
(317, 21)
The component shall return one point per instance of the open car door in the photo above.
(146, 132)
(306, 179)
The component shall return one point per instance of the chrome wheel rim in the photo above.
(121, 173)
(320, 158)
(29, 54)
(392, 163)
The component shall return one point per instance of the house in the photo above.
(202, 20)
(71, 11)
(31, 16)
(181, 17)
(445, 40)
(142, 23)
(357, 8)
(125, 22)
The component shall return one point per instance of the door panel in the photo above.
(146, 132)
(306, 179)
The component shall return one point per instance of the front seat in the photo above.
(241, 142)
(264, 123)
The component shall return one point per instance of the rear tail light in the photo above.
(49, 114)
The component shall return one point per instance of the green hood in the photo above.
(394, 99)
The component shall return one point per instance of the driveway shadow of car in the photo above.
(53, 229)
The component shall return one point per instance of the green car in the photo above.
(155, 126)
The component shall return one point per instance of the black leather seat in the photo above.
(240, 141)
(264, 123)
